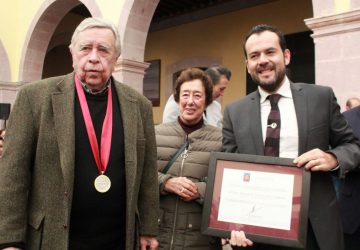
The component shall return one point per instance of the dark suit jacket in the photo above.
(350, 189)
(37, 166)
(320, 125)
(353, 118)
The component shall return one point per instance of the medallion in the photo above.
(102, 183)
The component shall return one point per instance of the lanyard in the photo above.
(101, 157)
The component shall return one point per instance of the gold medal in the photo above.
(102, 183)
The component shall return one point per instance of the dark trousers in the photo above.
(352, 241)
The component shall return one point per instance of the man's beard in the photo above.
(272, 85)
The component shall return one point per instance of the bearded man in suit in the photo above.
(313, 132)
(78, 169)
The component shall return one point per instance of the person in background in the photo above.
(309, 128)
(352, 103)
(78, 169)
(349, 193)
(182, 178)
(220, 77)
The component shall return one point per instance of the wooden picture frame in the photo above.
(244, 192)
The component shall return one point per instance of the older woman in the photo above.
(181, 178)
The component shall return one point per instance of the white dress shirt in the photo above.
(289, 136)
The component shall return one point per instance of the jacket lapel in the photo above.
(255, 118)
(300, 101)
(129, 116)
(64, 119)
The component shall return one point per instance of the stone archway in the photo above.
(134, 23)
(7, 89)
(40, 32)
(5, 73)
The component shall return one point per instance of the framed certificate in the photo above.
(266, 197)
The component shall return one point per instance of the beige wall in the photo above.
(213, 40)
(221, 37)
(218, 38)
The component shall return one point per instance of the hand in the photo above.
(148, 242)
(11, 248)
(2, 136)
(183, 187)
(238, 239)
(317, 160)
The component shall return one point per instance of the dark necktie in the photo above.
(272, 140)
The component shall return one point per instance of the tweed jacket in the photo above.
(180, 221)
(37, 167)
(320, 125)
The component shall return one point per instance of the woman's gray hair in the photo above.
(93, 22)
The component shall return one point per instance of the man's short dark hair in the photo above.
(215, 72)
(265, 27)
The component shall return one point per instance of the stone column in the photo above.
(337, 54)
(131, 73)
(8, 91)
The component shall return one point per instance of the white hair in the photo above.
(93, 22)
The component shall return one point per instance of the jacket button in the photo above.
(65, 226)
(190, 226)
(65, 193)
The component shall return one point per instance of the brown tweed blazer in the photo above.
(37, 167)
